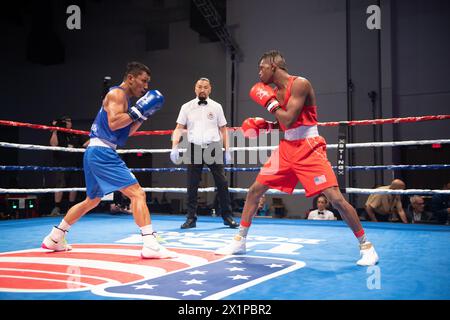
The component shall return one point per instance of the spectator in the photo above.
(440, 205)
(381, 207)
(329, 207)
(416, 210)
(263, 207)
(66, 179)
(204, 120)
(121, 203)
(321, 213)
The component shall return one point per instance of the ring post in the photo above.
(341, 155)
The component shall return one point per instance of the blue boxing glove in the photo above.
(147, 105)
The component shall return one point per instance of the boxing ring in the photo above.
(286, 259)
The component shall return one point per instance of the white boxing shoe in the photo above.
(369, 256)
(153, 250)
(236, 246)
(53, 245)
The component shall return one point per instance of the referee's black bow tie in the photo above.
(201, 102)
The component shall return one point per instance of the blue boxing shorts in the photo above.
(105, 172)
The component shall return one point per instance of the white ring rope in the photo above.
(38, 147)
(238, 190)
(329, 146)
(233, 190)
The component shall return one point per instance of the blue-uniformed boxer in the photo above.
(104, 170)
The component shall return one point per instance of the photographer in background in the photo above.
(66, 179)
(121, 203)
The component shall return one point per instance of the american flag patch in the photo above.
(320, 179)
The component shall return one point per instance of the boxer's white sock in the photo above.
(361, 236)
(58, 232)
(148, 229)
(243, 228)
(64, 225)
(147, 238)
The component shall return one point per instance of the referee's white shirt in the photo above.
(327, 215)
(202, 121)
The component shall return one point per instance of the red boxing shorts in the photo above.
(303, 160)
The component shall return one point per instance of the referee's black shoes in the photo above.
(229, 221)
(190, 223)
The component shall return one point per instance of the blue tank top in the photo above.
(100, 128)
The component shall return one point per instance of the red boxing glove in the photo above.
(251, 127)
(264, 95)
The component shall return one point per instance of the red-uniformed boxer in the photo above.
(301, 156)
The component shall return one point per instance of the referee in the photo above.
(205, 123)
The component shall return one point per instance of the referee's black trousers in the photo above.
(212, 157)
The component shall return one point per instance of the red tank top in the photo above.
(308, 115)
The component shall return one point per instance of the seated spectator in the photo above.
(416, 211)
(381, 207)
(440, 205)
(121, 203)
(114, 208)
(329, 206)
(278, 208)
(321, 213)
(263, 207)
